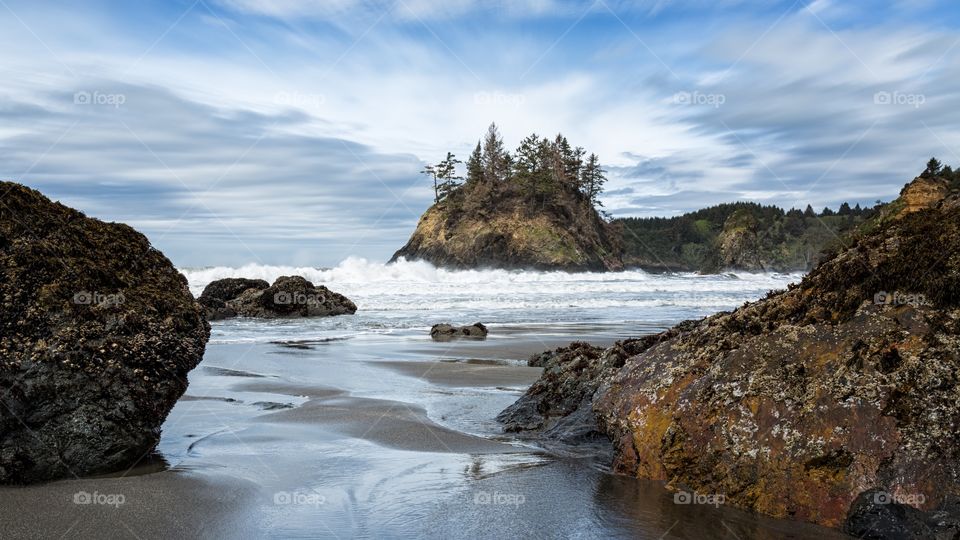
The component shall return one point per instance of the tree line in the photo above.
(539, 168)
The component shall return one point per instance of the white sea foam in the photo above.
(417, 285)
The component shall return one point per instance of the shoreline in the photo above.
(350, 422)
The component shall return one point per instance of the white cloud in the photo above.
(334, 113)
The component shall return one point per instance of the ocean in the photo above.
(406, 296)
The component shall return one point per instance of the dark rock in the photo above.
(289, 296)
(97, 334)
(215, 296)
(875, 515)
(559, 404)
(444, 331)
(230, 288)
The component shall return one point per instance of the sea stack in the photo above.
(97, 334)
(535, 209)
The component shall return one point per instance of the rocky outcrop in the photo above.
(876, 515)
(514, 235)
(288, 297)
(444, 331)
(215, 296)
(97, 334)
(923, 193)
(796, 405)
(738, 245)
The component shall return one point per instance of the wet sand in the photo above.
(467, 373)
(171, 504)
(394, 424)
(380, 437)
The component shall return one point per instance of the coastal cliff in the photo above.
(836, 401)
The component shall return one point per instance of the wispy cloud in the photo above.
(292, 131)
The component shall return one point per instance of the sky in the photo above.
(292, 132)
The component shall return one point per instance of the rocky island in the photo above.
(97, 334)
(836, 401)
(535, 208)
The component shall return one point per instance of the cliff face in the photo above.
(513, 233)
(836, 401)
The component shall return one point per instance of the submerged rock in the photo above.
(97, 334)
(446, 331)
(797, 404)
(289, 296)
(877, 515)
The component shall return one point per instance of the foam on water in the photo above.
(412, 294)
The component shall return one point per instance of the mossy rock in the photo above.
(97, 334)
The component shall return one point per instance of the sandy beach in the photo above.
(373, 437)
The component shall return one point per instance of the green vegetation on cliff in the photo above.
(743, 236)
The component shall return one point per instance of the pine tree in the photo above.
(529, 166)
(447, 180)
(844, 210)
(475, 166)
(565, 166)
(592, 179)
(809, 213)
(496, 161)
(933, 168)
(575, 165)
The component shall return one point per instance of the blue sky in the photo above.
(291, 131)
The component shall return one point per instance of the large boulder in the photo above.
(97, 334)
(796, 405)
(288, 297)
